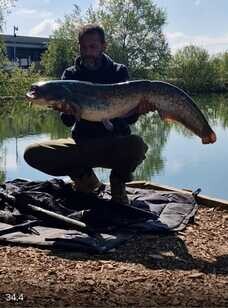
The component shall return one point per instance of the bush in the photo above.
(194, 70)
(17, 82)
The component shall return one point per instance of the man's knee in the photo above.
(31, 154)
(38, 157)
(137, 147)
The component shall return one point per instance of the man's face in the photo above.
(91, 49)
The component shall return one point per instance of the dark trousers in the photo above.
(65, 157)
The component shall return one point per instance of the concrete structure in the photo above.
(24, 50)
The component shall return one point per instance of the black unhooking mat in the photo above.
(51, 214)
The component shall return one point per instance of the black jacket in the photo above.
(109, 72)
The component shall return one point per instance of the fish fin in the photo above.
(145, 106)
(142, 108)
(169, 120)
(108, 124)
(166, 117)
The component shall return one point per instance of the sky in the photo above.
(200, 22)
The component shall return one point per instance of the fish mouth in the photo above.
(211, 138)
(31, 95)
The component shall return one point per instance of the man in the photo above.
(93, 144)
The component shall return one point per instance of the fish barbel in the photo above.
(102, 102)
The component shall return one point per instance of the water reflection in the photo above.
(175, 157)
(155, 133)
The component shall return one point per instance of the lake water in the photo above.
(175, 156)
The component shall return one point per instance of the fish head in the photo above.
(48, 93)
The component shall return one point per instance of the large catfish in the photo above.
(102, 102)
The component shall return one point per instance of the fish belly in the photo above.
(111, 108)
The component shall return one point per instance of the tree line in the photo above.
(134, 33)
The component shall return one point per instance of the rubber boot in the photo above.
(88, 183)
(118, 190)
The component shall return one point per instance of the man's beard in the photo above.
(92, 63)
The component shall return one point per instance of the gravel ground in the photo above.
(188, 269)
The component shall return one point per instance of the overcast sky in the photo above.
(201, 22)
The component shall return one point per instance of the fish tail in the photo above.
(210, 138)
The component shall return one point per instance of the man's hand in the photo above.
(145, 106)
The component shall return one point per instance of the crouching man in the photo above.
(93, 144)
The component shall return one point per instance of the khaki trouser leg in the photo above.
(55, 157)
(64, 157)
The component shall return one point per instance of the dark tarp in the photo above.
(109, 223)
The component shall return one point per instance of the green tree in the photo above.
(134, 34)
(5, 6)
(2, 52)
(225, 65)
(195, 70)
(221, 61)
(63, 45)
